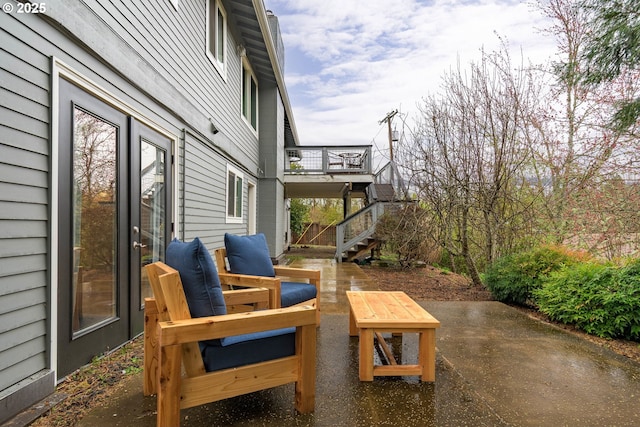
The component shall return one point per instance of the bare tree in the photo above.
(570, 140)
(466, 158)
(94, 159)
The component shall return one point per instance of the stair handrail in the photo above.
(389, 174)
(375, 209)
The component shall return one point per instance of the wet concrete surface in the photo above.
(494, 367)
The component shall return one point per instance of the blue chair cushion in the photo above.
(292, 293)
(249, 255)
(199, 277)
(247, 349)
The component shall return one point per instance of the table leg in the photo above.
(427, 354)
(365, 355)
(353, 329)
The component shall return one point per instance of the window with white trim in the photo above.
(217, 34)
(235, 186)
(249, 95)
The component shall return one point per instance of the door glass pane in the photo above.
(94, 207)
(152, 211)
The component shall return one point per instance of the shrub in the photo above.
(299, 216)
(513, 278)
(602, 300)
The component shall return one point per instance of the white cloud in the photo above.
(350, 62)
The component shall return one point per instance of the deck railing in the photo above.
(355, 159)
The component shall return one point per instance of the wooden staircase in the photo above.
(355, 235)
(362, 248)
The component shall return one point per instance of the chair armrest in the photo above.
(207, 328)
(271, 283)
(150, 306)
(257, 298)
(249, 281)
(299, 273)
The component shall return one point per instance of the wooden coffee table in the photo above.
(372, 313)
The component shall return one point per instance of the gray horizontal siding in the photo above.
(22, 229)
(14, 120)
(25, 350)
(25, 264)
(16, 55)
(163, 51)
(138, 51)
(19, 318)
(25, 138)
(21, 247)
(205, 195)
(26, 89)
(23, 106)
(22, 193)
(16, 373)
(24, 281)
(24, 201)
(20, 300)
(22, 332)
(13, 174)
(19, 336)
(9, 210)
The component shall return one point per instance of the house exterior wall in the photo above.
(271, 220)
(149, 56)
(204, 194)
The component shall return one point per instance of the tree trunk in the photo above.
(466, 253)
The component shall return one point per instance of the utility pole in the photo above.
(388, 120)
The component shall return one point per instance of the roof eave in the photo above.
(261, 15)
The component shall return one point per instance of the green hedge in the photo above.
(602, 300)
(513, 278)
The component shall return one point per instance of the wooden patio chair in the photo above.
(245, 262)
(224, 355)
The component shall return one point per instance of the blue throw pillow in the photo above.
(199, 277)
(249, 255)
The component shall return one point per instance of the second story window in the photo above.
(216, 34)
(249, 96)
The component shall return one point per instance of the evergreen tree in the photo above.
(613, 48)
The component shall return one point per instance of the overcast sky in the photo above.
(350, 62)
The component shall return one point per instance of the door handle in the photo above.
(137, 245)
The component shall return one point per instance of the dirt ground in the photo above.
(92, 385)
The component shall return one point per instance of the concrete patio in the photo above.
(495, 367)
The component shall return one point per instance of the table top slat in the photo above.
(388, 310)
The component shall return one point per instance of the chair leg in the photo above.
(150, 385)
(318, 311)
(170, 382)
(306, 384)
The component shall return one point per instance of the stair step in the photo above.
(361, 249)
(382, 193)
